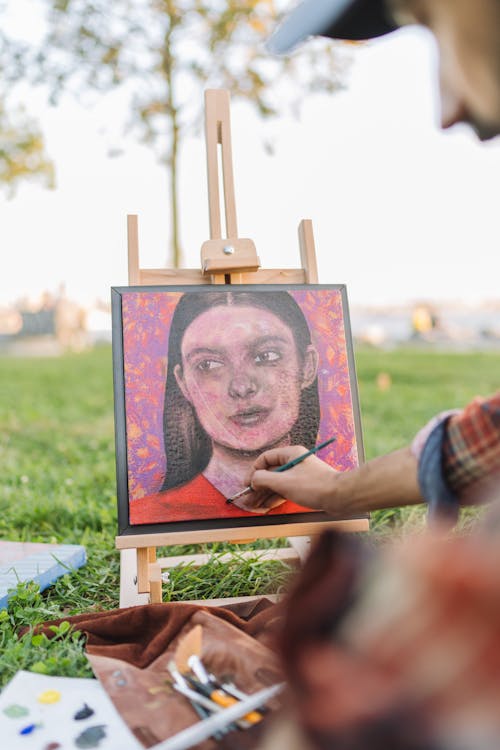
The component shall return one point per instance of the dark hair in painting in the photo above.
(188, 448)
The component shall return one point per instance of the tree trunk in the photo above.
(173, 160)
(174, 187)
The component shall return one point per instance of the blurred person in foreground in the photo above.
(395, 649)
(455, 459)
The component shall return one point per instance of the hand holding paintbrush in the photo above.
(283, 467)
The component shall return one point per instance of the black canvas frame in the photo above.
(253, 522)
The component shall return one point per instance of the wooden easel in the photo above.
(225, 259)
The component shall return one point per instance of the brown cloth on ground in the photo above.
(129, 650)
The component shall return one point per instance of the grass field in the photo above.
(58, 481)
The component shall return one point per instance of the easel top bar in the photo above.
(194, 276)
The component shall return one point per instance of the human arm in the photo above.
(384, 482)
(453, 460)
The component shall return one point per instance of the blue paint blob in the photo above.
(29, 729)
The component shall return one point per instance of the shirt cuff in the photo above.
(421, 437)
(443, 504)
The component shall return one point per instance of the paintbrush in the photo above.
(231, 689)
(198, 699)
(203, 706)
(187, 659)
(194, 735)
(285, 467)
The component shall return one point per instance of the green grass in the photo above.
(58, 481)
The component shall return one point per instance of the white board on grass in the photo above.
(29, 723)
(39, 562)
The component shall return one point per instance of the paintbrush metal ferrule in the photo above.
(196, 666)
(245, 491)
(178, 678)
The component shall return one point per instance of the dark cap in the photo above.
(338, 19)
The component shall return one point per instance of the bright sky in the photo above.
(400, 211)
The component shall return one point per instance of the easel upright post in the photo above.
(217, 132)
(308, 251)
(223, 255)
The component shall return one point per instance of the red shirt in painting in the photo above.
(198, 499)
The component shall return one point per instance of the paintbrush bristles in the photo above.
(188, 646)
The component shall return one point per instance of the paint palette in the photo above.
(42, 563)
(38, 712)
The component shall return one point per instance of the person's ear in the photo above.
(181, 382)
(310, 367)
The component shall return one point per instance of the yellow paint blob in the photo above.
(49, 696)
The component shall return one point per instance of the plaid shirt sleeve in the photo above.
(471, 444)
(458, 452)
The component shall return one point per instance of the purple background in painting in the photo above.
(146, 324)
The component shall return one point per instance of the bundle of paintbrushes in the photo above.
(210, 695)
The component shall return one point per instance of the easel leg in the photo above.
(129, 597)
(301, 545)
(155, 584)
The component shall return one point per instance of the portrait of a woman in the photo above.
(241, 378)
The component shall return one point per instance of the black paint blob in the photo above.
(84, 713)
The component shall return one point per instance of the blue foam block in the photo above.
(43, 567)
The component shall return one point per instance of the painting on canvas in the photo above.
(207, 378)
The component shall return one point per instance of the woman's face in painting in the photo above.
(243, 375)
